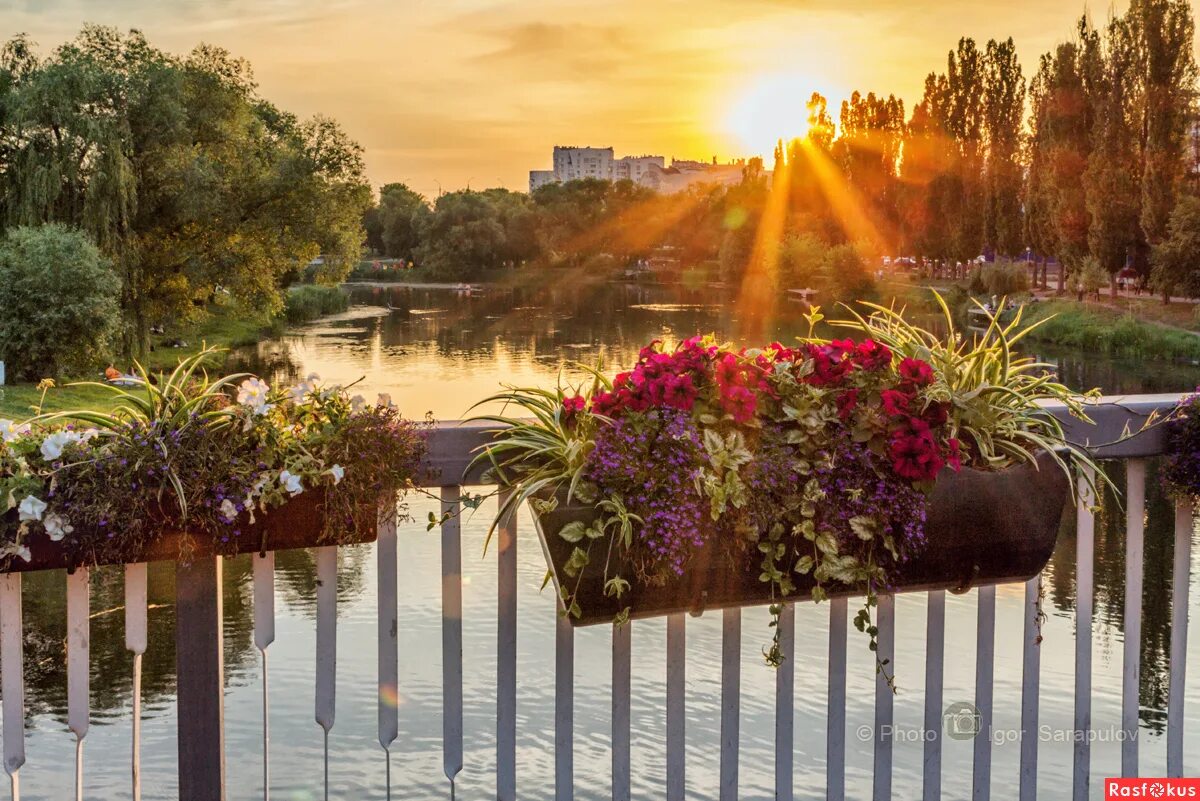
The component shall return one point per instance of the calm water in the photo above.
(438, 351)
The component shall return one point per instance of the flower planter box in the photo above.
(299, 523)
(981, 528)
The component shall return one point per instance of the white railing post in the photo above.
(1135, 531)
(1181, 578)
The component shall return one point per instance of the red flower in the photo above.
(954, 454)
(872, 355)
(741, 403)
(574, 404)
(648, 351)
(679, 392)
(728, 371)
(895, 402)
(841, 348)
(826, 368)
(935, 414)
(846, 403)
(916, 372)
(914, 453)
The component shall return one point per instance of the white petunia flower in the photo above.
(228, 510)
(338, 472)
(313, 378)
(301, 391)
(52, 446)
(11, 432)
(13, 549)
(357, 403)
(57, 526)
(31, 508)
(291, 482)
(385, 400)
(253, 393)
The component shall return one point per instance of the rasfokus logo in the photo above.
(1151, 788)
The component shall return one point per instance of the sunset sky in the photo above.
(450, 92)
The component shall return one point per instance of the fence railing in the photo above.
(1117, 434)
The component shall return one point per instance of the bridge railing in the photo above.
(1117, 434)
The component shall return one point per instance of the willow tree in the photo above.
(188, 180)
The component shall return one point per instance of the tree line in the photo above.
(1087, 162)
(188, 183)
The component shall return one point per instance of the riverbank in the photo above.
(226, 327)
(1099, 328)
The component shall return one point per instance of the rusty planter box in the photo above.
(299, 523)
(981, 528)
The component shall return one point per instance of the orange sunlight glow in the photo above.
(770, 109)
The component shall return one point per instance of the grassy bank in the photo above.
(227, 326)
(1098, 329)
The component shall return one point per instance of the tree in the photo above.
(59, 297)
(1113, 172)
(1165, 32)
(462, 237)
(399, 215)
(1176, 258)
(184, 177)
(1003, 109)
(1061, 124)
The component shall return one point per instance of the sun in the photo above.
(769, 109)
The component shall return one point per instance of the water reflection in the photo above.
(439, 351)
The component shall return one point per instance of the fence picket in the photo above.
(78, 665)
(621, 660)
(1181, 578)
(452, 652)
(835, 731)
(136, 638)
(985, 652)
(1135, 531)
(506, 656)
(935, 660)
(676, 706)
(263, 568)
(785, 684)
(388, 625)
(326, 646)
(731, 701)
(12, 679)
(564, 709)
(886, 654)
(1030, 684)
(1084, 570)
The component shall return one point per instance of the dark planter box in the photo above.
(299, 523)
(981, 528)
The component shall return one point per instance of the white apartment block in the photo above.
(639, 169)
(576, 163)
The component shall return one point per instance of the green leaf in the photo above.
(573, 531)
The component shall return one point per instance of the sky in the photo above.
(444, 94)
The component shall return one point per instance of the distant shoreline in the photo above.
(419, 284)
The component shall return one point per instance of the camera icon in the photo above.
(962, 721)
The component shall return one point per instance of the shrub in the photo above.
(59, 301)
(304, 303)
(1002, 278)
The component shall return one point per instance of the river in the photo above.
(437, 351)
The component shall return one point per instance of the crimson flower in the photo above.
(679, 392)
(846, 403)
(741, 403)
(895, 402)
(915, 371)
(914, 452)
(872, 355)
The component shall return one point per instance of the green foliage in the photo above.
(393, 226)
(1087, 277)
(1176, 260)
(307, 302)
(1110, 332)
(1003, 279)
(176, 453)
(995, 396)
(187, 180)
(59, 302)
(462, 237)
